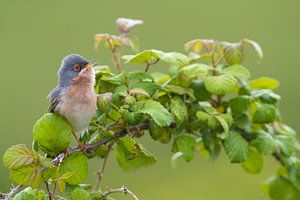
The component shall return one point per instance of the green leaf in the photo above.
(158, 113)
(151, 56)
(138, 91)
(179, 90)
(147, 56)
(186, 145)
(281, 188)
(195, 45)
(149, 87)
(27, 176)
(161, 134)
(207, 119)
(212, 144)
(238, 71)
(178, 109)
(233, 52)
(256, 47)
(80, 194)
(220, 84)
(265, 143)
(173, 58)
(30, 194)
(266, 96)
(138, 75)
(76, 163)
(19, 156)
(286, 143)
(236, 147)
(224, 125)
(239, 104)
(200, 90)
(48, 129)
(243, 122)
(196, 70)
(264, 83)
(264, 113)
(254, 162)
(131, 155)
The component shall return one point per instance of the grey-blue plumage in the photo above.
(74, 97)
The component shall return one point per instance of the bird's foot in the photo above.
(81, 146)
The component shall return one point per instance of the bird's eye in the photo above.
(76, 68)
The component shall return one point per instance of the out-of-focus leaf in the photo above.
(238, 71)
(200, 91)
(286, 143)
(186, 145)
(111, 41)
(239, 104)
(236, 147)
(149, 87)
(80, 194)
(179, 90)
(125, 25)
(224, 125)
(151, 56)
(280, 188)
(233, 52)
(264, 113)
(178, 109)
(255, 46)
(30, 194)
(138, 75)
(157, 112)
(197, 44)
(264, 83)
(254, 163)
(159, 133)
(212, 144)
(220, 84)
(138, 91)
(265, 143)
(161, 78)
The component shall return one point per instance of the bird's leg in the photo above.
(80, 144)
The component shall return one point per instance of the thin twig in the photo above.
(48, 189)
(147, 67)
(123, 189)
(115, 57)
(102, 167)
(11, 193)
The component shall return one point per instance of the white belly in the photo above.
(78, 110)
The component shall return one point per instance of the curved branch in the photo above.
(11, 193)
(123, 189)
(92, 147)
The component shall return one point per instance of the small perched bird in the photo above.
(74, 97)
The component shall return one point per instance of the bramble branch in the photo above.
(92, 147)
(123, 189)
(11, 193)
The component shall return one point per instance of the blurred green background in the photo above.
(35, 35)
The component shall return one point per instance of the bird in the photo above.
(74, 97)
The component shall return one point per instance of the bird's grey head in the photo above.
(70, 68)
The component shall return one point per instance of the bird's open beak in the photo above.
(91, 63)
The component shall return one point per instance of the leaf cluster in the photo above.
(206, 102)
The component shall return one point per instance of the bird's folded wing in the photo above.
(55, 98)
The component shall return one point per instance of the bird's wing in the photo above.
(55, 98)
